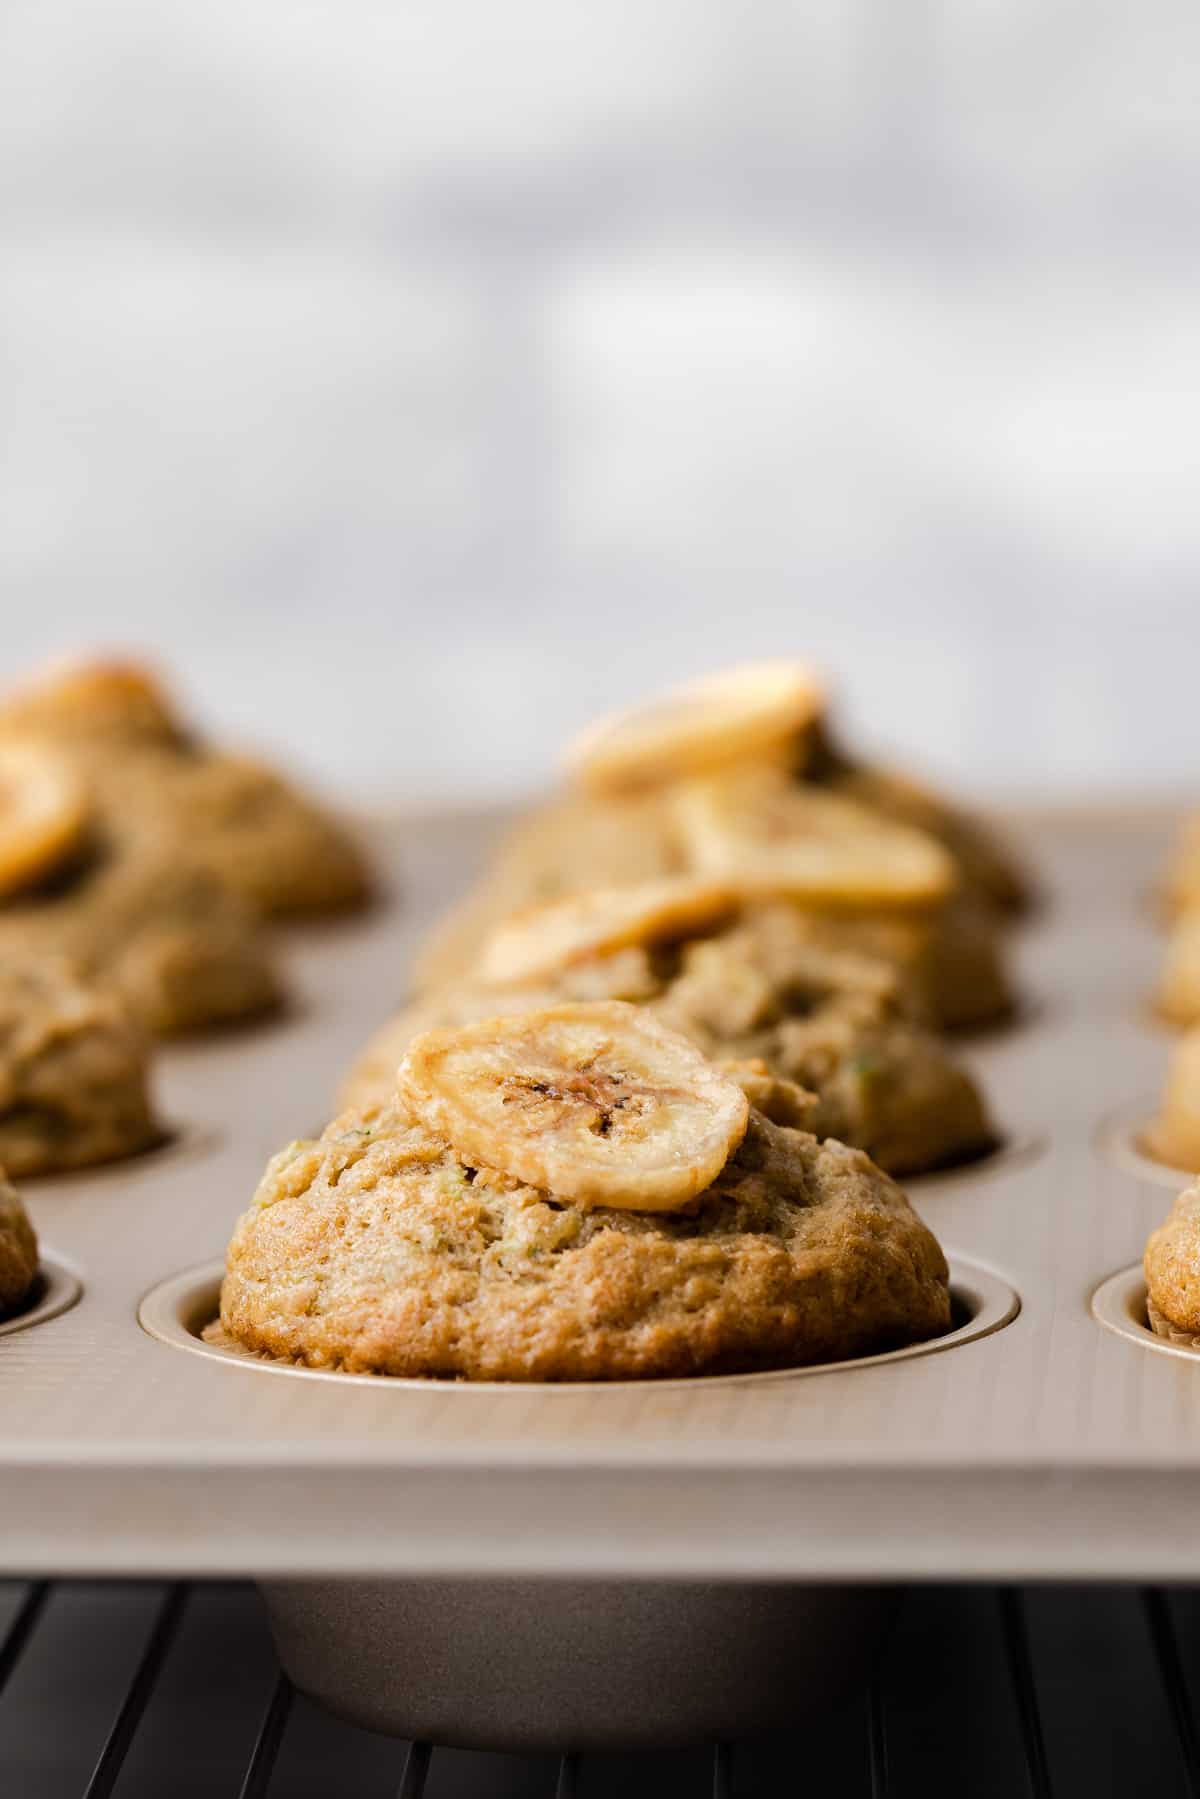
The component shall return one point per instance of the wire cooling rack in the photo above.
(148, 1690)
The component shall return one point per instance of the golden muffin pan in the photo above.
(1041, 1441)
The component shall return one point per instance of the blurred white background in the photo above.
(418, 378)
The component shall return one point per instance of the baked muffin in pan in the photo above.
(163, 930)
(776, 714)
(18, 1250)
(741, 985)
(1177, 996)
(160, 789)
(74, 1079)
(1172, 1265)
(577, 1194)
(1182, 884)
(696, 783)
(1173, 1134)
(157, 926)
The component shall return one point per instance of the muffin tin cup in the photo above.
(178, 1311)
(56, 1288)
(1119, 1304)
(580, 1664)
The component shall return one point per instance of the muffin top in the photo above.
(18, 1248)
(389, 1246)
(272, 845)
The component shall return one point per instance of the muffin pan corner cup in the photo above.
(609, 1536)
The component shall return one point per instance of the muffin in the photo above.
(271, 845)
(1177, 996)
(990, 872)
(775, 715)
(18, 1251)
(1182, 884)
(576, 1195)
(160, 790)
(751, 990)
(1173, 1135)
(73, 1072)
(947, 962)
(1172, 1265)
(155, 925)
(164, 931)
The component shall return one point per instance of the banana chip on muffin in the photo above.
(735, 778)
(575, 1194)
(18, 1250)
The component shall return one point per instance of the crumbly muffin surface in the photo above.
(18, 1249)
(375, 1249)
(73, 1071)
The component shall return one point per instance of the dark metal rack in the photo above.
(146, 1690)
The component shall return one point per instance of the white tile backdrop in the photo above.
(418, 377)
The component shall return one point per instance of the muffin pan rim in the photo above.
(1012, 1150)
(58, 1287)
(162, 1311)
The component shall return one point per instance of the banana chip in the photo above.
(597, 1103)
(768, 836)
(754, 711)
(543, 939)
(92, 698)
(44, 814)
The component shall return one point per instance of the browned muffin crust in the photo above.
(376, 1250)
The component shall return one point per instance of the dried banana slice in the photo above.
(770, 836)
(756, 710)
(92, 698)
(596, 1103)
(543, 939)
(44, 814)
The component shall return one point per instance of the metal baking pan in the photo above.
(1042, 1441)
